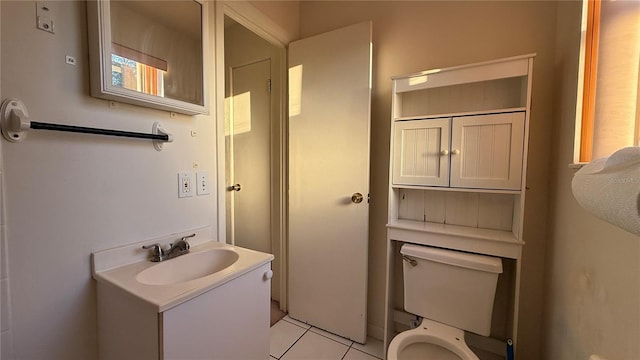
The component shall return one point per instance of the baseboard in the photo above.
(376, 332)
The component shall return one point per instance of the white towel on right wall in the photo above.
(610, 188)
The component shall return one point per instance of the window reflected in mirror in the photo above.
(133, 70)
(150, 53)
(157, 45)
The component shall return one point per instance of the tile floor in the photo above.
(292, 340)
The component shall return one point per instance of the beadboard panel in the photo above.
(480, 210)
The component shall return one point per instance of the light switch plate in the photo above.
(202, 180)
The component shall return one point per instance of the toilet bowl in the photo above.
(430, 340)
(453, 291)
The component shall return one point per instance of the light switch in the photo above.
(202, 186)
(185, 184)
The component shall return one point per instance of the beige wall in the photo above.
(68, 195)
(593, 276)
(413, 36)
(283, 13)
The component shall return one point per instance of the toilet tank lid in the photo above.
(455, 258)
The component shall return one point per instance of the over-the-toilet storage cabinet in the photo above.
(457, 176)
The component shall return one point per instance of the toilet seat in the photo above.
(434, 333)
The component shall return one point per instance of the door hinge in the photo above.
(269, 85)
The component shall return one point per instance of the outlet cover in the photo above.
(185, 184)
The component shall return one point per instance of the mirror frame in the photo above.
(99, 29)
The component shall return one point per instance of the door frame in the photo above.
(251, 18)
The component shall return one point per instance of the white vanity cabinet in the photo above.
(228, 322)
(212, 303)
(459, 139)
(476, 151)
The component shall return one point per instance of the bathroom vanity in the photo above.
(459, 139)
(212, 303)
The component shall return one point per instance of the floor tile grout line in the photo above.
(364, 352)
(345, 354)
(326, 337)
(368, 353)
(289, 348)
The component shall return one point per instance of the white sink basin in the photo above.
(173, 282)
(188, 267)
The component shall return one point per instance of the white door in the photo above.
(248, 151)
(329, 117)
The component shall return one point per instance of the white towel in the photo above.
(610, 188)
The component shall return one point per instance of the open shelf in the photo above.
(470, 239)
(444, 188)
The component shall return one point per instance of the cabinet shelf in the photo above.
(459, 114)
(515, 66)
(450, 189)
(484, 241)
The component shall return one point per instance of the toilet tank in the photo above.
(451, 287)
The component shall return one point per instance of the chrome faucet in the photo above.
(176, 249)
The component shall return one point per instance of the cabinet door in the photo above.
(421, 149)
(230, 322)
(486, 151)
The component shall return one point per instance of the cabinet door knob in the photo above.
(444, 152)
(268, 274)
(455, 152)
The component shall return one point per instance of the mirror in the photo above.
(149, 53)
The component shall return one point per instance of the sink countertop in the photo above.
(164, 297)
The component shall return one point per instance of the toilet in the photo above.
(453, 291)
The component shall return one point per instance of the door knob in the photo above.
(236, 187)
(357, 198)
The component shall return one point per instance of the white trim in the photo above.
(257, 22)
(460, 67)
(218, 15)
(254, 20)
(580, 85)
